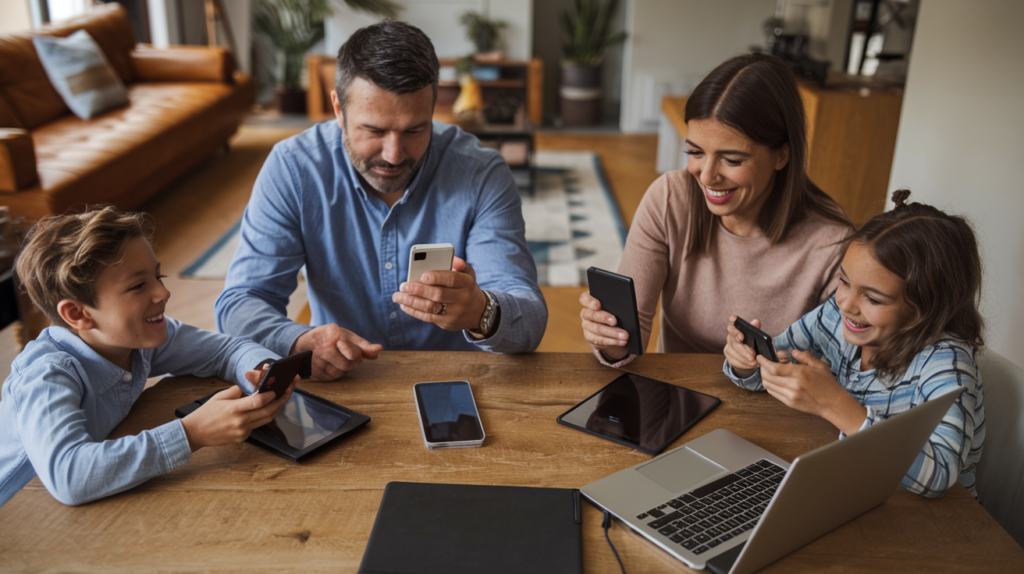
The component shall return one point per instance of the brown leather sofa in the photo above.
(185, 102)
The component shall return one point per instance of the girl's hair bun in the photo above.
(899, 197)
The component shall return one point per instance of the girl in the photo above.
(902, 326)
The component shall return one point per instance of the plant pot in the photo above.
(290, 100)
(580, 95)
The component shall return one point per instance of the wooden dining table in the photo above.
(241, 508)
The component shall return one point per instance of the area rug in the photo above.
(572, 223)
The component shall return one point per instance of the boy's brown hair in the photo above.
(936, 255)
(64, 254)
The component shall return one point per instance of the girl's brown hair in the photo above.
(936, 255)
(63, 255)
(756, 95)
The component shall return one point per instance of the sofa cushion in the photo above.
(76, 158)
(24, 86)
(82, 76)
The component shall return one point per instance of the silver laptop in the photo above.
(723, 502)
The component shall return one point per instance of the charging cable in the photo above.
(605, 524)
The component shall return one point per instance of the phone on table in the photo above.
(617, 295)
(282, 371)
(429, 257)
(757, 340)
(448, 415)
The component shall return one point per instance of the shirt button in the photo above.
(127, 377)
(393, 314)
(388, 265)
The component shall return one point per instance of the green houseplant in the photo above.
(294, 27)
(586, 35)
(482, 31)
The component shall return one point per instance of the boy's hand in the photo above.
(741, 357)
(230, 416)
(810, 387)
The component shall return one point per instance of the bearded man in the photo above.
(347, 199)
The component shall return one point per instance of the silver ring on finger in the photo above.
(444, 307)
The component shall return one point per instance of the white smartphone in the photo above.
(448, 415)
(429, 257)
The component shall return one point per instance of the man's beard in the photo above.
(380, 184)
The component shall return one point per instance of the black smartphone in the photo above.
(282, 371)
(617, 295)
(448, 415)
(757, 339)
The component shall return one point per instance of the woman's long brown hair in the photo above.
(936, 255)
(756, 95)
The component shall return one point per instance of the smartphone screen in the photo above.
(448, 413)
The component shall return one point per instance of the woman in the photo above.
(742, 229)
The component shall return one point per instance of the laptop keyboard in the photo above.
(718, 511)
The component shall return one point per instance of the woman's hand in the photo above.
(810, 387)
(599, 329)
(741, 357)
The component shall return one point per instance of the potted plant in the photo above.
(483, 32)
(585, 36)
(294, 27)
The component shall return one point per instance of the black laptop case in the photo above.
(453, 528)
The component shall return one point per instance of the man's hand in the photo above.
(449, 299)
(810, 387)
(229, 416)
(336, 351)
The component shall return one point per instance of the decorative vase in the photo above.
(580, 95)
(290, 100)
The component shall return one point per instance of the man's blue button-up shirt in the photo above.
(309, 208)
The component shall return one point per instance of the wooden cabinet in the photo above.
(519, 80)
(851, 138)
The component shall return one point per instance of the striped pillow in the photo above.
(81, 74)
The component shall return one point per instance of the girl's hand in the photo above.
(741, 357)
(810, 387)
(599, 328)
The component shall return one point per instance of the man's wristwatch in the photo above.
(489, 320)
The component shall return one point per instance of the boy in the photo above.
(96, 278)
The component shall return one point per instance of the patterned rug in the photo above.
(572, 223)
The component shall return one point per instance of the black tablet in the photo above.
(639, 412)
(306, 423)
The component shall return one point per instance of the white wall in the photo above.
(14, 16)
(439, 19)
(673, 44)
(961, 140)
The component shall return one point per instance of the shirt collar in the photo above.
(101, 373)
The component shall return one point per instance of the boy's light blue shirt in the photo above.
(953, 450)
(308, 208)
(63, 399)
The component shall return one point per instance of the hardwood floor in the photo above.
(628, 162)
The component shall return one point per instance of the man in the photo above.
(348, 199)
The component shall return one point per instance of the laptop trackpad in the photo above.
(680, 470)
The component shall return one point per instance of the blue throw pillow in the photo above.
(81, 74)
